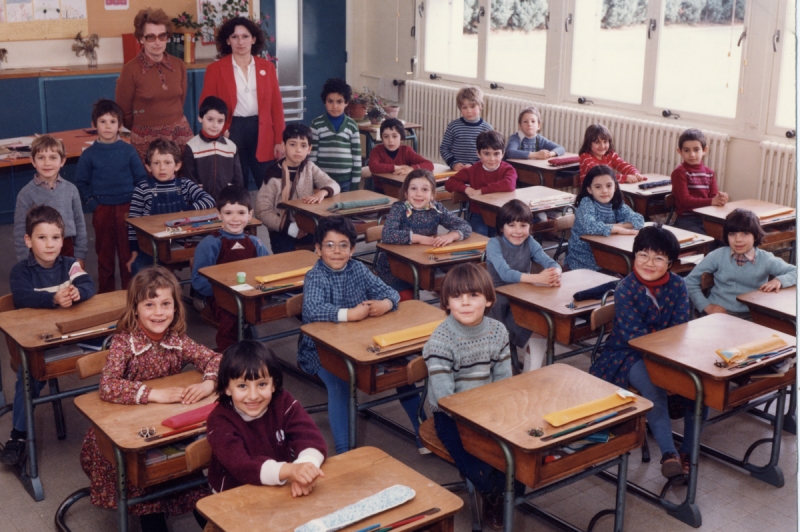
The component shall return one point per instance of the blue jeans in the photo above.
(344, 186)
(658, 417)
(479, 226)
(18, 418)
(338, 398)
(283, 243)
(142, 260)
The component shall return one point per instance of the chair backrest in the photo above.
(198, 454)
(669, 201)
(373, 234)
(6, 304)
(294, 306)
(602, 316)
(564, 222)
(91, 364)
(416, 370)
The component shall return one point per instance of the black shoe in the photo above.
(13, 451)
(493, 511)
(671, 465)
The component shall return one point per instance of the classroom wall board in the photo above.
(30, 20)
(113, 23)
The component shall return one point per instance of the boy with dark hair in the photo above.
(43, 280)
(230, 244)
(492, 175)
(392, 156)
(107, 172)
(293, 177)
(458, 141)
(336, 142)
(210, 159)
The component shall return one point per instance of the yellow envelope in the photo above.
(457, 247)
(775, 212)
(412, 333)
(284, 275)
(733, 355)
(568, 415)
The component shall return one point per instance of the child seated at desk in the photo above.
(259, 434)
(649, 299)
(44, 280)
(230, 244)
(598, 149)
(458, 142)
(466, 351)
(150, 343)
(694, 185)
(527, 143)
(338, 289)
(210, 159)
(509, 257)
(600, 211)
(291, 178)
(416, 221)
(492, 175)
(738, 268)
(162, 193)
(392, 156)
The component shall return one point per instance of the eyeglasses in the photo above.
(146, 432)
(330, 246)
(151, 37)
(644, 257)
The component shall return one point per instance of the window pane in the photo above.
(608, 49)
(785, 115)
(517, 42)
(451, 37)
(698, 57)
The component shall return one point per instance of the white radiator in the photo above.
(650, 146)
(778, 173)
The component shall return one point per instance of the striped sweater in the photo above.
(337, 153)
(458, 142)
(589, 161)
(461, 358)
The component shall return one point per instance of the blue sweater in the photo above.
(206, 255)
(33, 286)
(107, 173)
(327, 291)
(519, 146)
(589, 220)
(458, 142)
(731, 280)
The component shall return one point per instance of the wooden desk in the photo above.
(681, 360)
(615, 252)
(349, 477)
(539, 172)
(776, 310)
(543, 309)
(117, 426)
(641, 201)
(26, 327)
(307, 215)
(413, 265)
(75, 141)
(392, 185)
(249, 305)
(154, 240)
(779, 229)
(539, 199)
(494, 420)
(371, 133)
(342, 349)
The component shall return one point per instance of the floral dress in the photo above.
(134, 358)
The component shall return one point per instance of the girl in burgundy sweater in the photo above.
(393, 157)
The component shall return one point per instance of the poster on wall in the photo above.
(211, 14)
(31, 20)
(116, 4)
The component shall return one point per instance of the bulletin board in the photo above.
(113, 23)
(28, 20)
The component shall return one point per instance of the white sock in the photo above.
(534, 353)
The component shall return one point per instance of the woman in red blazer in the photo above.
(249, 87)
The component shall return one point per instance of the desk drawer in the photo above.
(367, 379)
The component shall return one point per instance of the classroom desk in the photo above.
(371, 133)
(615, 252)
(539, 172)
(26, 327)
(539, 199)
(117, 427)
(780, 229)
(392, 185)
(681, 360)
(544, 310)
(494, 420)
(307, 215)
(154, 240)
(414, 265)
(342, 349)
(75, 141)
(642, 201)
(249, 305)
(349, 477)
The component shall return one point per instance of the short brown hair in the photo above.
(164, 147)
(150, 16)
(419, 173)
(144, 285)
(469, 94)
(743, 221)
(530, 110)
(593, 133)
(467, 279)
(45, 143)
(490, 140)
(692, 134)
(42, 214)
(106, 107)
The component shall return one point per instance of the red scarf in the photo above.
(153, 337)
(652, 284)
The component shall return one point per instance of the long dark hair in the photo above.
(600, 169)
(594, 132)
(250, 360)
(227, 29)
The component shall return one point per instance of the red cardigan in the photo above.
(220, 82)
(381, 163)
(504, 179)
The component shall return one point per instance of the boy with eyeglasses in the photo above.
(338, 289)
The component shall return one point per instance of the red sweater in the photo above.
(381, 163)
(693, 187)
(504, 179)
(589, 161)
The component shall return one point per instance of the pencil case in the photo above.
(66, 327)
(568, 415)
(264, 279)
(192, 219)
(191, 417)
(561, 161)
(457, 247)
(732, 355)
(412, 333)
(344, 205)
(375, 504)
(596, 292)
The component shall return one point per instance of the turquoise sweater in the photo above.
(731, 280)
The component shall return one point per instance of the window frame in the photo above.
(772, 128)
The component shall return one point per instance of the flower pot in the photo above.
(356, 111)
(391, 110)
(376, 121)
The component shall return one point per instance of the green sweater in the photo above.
(337, 153)
(460, 358)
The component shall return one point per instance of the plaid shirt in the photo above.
(326, 291)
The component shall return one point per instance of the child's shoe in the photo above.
(671, 465)
(493, 511)
(686, 460)
(13, 451)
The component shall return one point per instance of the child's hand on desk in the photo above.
(194, 392)
(302, 476)
(173, 394)
(63, 298)
(378, 308)
(549, 277)
(443, 240)
(460, 166)
(471, 192)
(359, 312)
(541, 154)
(316, 197)
(770, 286)
(133, 258)
(715, 309)
(719, 200)
(618, 229)
(634, 178)
(402, 170)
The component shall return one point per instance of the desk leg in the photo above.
(790, 420)
(770, 473)
(550, 350)
(412, 136)
(30, 478)
(352, 411)
(508, 500)
(122, 491)
(155, 251)
(622, 482)
(239, 317)
(415, 271)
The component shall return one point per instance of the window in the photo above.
(785, 116)
(451, 37)
(517, 42)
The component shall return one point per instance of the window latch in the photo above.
(496, 86)
(666, 113)
(742, 36)
(791, 134)
(481, 13)
(585, 101)
(775, 40)
(651, 27)
(421, 9)
(547, 21)
(567, 22)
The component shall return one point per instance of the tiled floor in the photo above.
(730, 500)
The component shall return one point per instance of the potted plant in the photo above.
(3, 57)
(376, 115)
(392, 107)
(184, 20)
(87, 47)
(357, 107)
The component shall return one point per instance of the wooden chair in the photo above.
(198, 455)
(91, 364)
(294, 306)
(669, 202)
(560, 227)
(373, 234)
